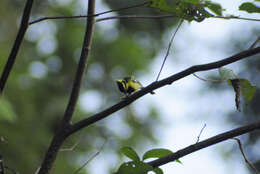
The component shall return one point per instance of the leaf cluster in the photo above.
(138, 166)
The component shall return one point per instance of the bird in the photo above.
(128, 85)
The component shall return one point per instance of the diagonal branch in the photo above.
(136, 17)
(203, 144)
(244, 156)
(19, 38)
(168, 49)
(206, 143)
(86, 16)
(167, 81)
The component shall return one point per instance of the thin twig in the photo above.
(91, 158)
(71, 148)
(198, 138)
(135, 17)
(254, 44)
(207, 80)
(74, 146)
(244, 156)
(236, 17)
(168, 49)
(19, 38)
(86, 16)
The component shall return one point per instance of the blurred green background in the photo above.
(39, 85)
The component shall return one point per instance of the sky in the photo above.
(187, 105)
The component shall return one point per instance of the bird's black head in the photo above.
(121, 84)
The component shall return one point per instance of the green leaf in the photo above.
(195, 2)
(6, 110)
(214, 7)
(134, 167)
(248, 90)
(156, 153)
(178, 161)
(130, 153)
(161, 5)
(226, 74)
(186, 9)
(158, 170)
(249, 7)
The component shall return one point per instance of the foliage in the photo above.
(136, 166)
(188, 9)
(249, 7)
(240, 86)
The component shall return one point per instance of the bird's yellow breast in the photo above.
(133, 84)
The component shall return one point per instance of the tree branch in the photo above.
(168, 49)
(198, 137)
(206, 143)
(236, 17)
(244, 156)
(155, 85)
(135, 17)
(62, 132)
(85, 52)
(19, 38)
(86, 16)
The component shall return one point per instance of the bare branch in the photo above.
(62, 132)
(254, 44)
(236, 17)
(19, 38)
(90, 159)
(198, 138)
(86, 16)
(206, 143)
(244, 156)
(168, 49)
(74, 146)
(203, 144)
(135, 17)
(155, 85)
(71, 148)
(85, 52)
